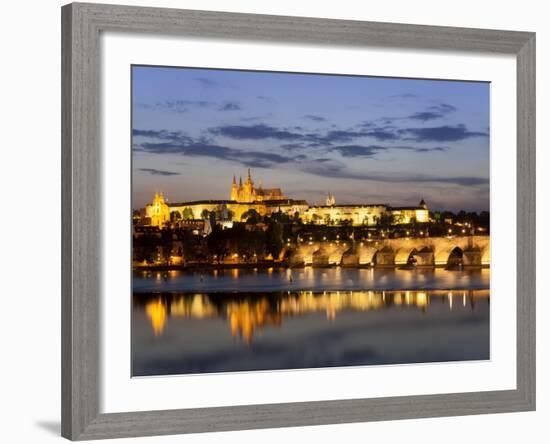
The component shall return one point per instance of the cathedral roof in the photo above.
(266, 191)
(406, 208)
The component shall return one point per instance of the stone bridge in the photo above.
(426, 251)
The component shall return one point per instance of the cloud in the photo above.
(381, 134)
(206, 82)
(336, 136)
(357, 150)
(156, 172)
(404, 96)
(297, 139)
(444, 108)
(294, 146)
(263, 131)
(266, 99)
(230, 106)
(255, 132)
(256, 118)
(177, 143)
(168, 142)
(175, 106)
(338, 171)
(175, 136)
(434, 112)
(367, 124)
(440, 134)
(315, 118)
(425, 116)
(372, 150)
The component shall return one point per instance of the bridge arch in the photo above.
(366, 254)
(442, 252)
(402, 255)
(485, 255)
(455, 257)
(420, 255)
(384, 257)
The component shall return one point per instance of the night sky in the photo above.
(364, 139)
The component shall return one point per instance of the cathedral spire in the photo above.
(240, 181)
(249, 178)
(234, 180)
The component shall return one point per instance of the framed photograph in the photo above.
(277, 221)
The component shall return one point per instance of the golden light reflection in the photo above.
(157, 312)
(247, 315)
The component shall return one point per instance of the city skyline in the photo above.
(363, 139)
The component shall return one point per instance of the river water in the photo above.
(246, 319)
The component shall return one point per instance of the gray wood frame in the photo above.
(81, 168)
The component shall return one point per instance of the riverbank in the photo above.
(285, 265)
(308, 279)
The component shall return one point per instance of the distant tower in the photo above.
(249, 192)
(331, 201)
(423, 205)
(234, 190)
(158, 211)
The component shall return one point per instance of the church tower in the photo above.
(248, 194)
(331, 201)
(234, 190)
(158, 211)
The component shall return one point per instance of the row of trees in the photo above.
(219, 245)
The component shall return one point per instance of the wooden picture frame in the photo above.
(81, 171)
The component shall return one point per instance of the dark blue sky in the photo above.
(365, 139)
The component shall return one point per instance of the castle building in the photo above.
(265, 201)
(406, 215)
(338, 214)
(248, 193)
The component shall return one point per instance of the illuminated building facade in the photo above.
(158, 212)
(265, 201)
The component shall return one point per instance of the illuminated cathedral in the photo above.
(248, 193)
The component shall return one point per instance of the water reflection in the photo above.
(245, 314)
(308, 278)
